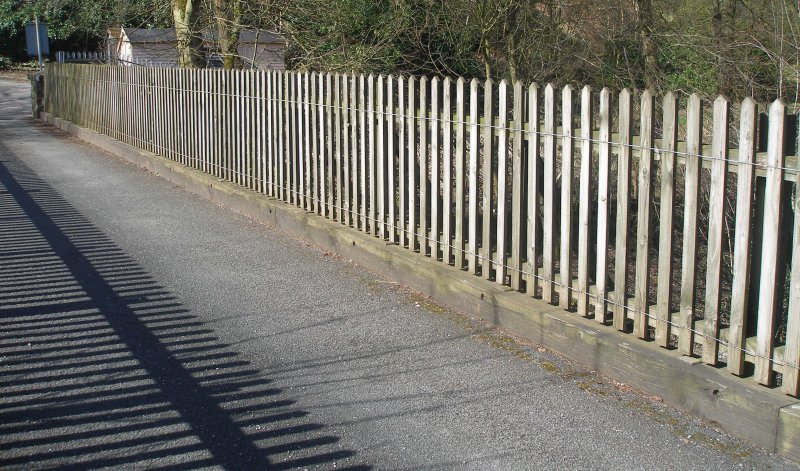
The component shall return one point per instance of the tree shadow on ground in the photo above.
(101, 366)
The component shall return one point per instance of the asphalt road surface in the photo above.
(142, 326)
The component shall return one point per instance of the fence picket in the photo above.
(565, 239)
(603, 170)
(346, 123)
(472, 218)
(411, 167)
(516, 188)
(548, 289)
(371, 184)
(353, 180)
(447, 178)
(459, 161)
(532, 188)
(502, 162)
(422, 171)
(716, 214)
(642, 296)
(694, 129)
(669, 140)
(391, 188)
(486, 174)
(402, 179)
(791, 357)
(767, 302)
(337, 97)
(584, 189)
(434, 194)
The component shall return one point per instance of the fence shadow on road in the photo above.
(101, 366)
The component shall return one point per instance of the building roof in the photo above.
(150, 35)
(250, 35)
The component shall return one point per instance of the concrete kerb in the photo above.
(762, 415)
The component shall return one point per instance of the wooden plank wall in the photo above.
(634, 211)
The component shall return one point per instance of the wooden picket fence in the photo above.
(664, 218)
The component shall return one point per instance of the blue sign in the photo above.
(30, 39)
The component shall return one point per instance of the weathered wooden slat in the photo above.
(330, 151)
(271, 119)
(666, 208)
(323, 102)
(516, 270)
(642, 293)
(791, 355)
(486, 174)
(353, 181)
(502, 163)
(347, 175)
(291, 133)
(422, 171)
(584, 189)
(308, 156)
(391, 159)
(603, 170)
(362, 168)
(434, 194)
(371, 157)
(402, 177)
(447, 177)
(380, 155)
(411, 166)
(565, 238)
(741, 250)
(533, 189)
(767, 294)
(337, 174)
(459, 163)
(716, 214)
(302, 140)
(694, 123)
(314, 131)
(283, 138)
(548, 288)
(472, 219)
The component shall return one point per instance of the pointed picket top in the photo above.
(488, 83)
(749, 108)
(778, 107)
(533, 88)
(647, 95)
(625, 95)
(549, 89)
(423, 81)
(460, 81)
(434, 80)
(446, 83)
(670, 98)
(586, 102)
(605, 94)
(720, 115)
(567, 90)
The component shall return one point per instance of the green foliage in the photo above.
(687, 69)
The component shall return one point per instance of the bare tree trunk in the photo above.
(229, 20)
(644, 8)
(186, 14)
(722, 22)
